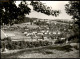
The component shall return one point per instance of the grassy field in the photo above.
(44, 52)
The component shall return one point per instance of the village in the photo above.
(39, 29)
(36, 32)
(40, 35)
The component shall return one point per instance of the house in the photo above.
(32, 26)
(25, 33)
(40, 33)
(28, 34)
(45, 38)
(54, 32)
(62, 38)
(34, 32)
(3, 35)
(28, 23)
(10, 34)
(45, 33)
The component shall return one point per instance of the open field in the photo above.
(42, 52)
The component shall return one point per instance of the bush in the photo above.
(66, 48)
(76, 47)
(22, 44)
(59, 41)
(9, 45)
(5, 42)
(2, 44)
(8, 39)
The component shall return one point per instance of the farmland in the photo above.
(27, 35)
(20, 30)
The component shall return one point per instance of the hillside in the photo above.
(28, 19)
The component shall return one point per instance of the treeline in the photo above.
(63, 20)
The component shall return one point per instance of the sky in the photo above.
(56, 5)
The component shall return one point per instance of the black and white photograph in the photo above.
(39, 29)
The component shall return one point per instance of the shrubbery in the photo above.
(25, 44)
(59, 41)
(66, 48)
(76, 47)
(6, 39)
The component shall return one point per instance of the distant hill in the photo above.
(28, 19)
(62, 20)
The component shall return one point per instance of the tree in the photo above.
(10, 13)
(73, 9)
(40, 7)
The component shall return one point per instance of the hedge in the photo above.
(24, 44)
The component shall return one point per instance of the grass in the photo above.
(26, 51)
(66, 48)
(44, 50)
(47, 52)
